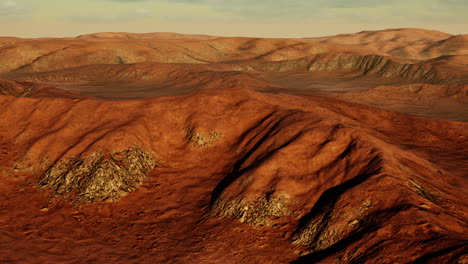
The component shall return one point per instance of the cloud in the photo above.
(134, 15)
(342, 10)
(13, 10)
(283, 10)
(298, 11)
(128, 1)
(246, 4)
(454, 2)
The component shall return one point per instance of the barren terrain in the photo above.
(171, 148)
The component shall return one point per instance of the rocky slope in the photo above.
(129, 66)
(29, 89)
(246, 164)
(327, 180)
(410, 43)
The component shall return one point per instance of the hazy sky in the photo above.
(262, 18)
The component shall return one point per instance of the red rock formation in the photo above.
(236, 169)
(345, 181)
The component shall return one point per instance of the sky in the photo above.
(250, 18)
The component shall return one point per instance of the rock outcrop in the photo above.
(99, 177)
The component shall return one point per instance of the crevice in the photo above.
(463, 247)
(270, 128)
(370, 225)
(328, 199)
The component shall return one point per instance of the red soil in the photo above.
(29, 89)
(236, 169)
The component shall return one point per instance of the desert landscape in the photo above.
(177, 148)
